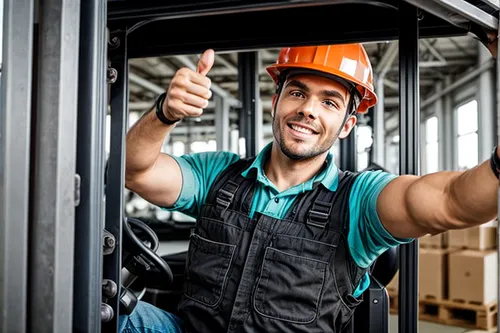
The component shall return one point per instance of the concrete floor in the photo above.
(427, 327)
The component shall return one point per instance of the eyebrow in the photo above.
(330, 93)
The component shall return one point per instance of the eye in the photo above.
(331, 104)
(296, 93)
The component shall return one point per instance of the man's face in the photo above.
(309, 113)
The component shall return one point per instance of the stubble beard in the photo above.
(309, 154)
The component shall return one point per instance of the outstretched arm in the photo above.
(412, 206)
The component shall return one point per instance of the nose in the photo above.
(308, 109)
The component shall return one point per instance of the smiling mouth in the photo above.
(301, 129)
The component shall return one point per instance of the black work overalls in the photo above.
(269, 275)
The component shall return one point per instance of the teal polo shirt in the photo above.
(367, 237)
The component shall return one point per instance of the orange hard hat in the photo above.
(347, 61)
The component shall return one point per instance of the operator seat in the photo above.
(372, 315)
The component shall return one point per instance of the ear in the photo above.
(273, 104)
(348, 126)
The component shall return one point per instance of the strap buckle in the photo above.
(319, 214)
(226, 194)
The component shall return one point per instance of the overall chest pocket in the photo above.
(291, 280)
(207, 269)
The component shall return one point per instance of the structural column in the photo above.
(440, 113)
(381, 71)
(221, 123)
(409, 156)
(486, 106)
(379, 124)
(449, 151)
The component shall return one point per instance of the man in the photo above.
(284, 240)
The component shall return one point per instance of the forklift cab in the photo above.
(135, 32)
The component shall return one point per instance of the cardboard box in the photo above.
(482, 238)
(477, 238)
(457, 239)
(393, 286)
(433, 273)
(473, 276)
(439, 241)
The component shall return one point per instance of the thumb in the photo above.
(206, 62)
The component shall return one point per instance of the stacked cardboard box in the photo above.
(458, 267)
(473, 265)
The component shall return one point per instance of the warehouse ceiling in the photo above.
(439, 58)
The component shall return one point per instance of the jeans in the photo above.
(147, 318)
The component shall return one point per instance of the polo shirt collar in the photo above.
(328, 175)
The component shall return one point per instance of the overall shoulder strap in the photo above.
(315, 207)
(345, 186)
(321, 208)
(346, 181)
(230, 186)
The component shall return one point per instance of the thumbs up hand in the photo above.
(206, 62)
(189, 91)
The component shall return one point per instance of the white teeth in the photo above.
(302, 129)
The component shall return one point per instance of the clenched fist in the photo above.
(189, 91)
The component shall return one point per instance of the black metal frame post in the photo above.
(248, 79)
(116, 173)
(409, 156)
(348, 153)
(52, 220)
(89, 224)
(15, 122)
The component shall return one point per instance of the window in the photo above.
(178, 148)
(431, 145)
(364, 143)
(392, 153)
(203, 146)
(467, 138)
(335, 150)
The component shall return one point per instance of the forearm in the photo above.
(453, 200)
(473, 196)
(143, 144)
(412, 206)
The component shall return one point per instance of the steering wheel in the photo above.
(139, 256)
(136, 246)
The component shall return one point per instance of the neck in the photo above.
(284, 172)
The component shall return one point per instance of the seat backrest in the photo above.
(372, 315)
(386, 266)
